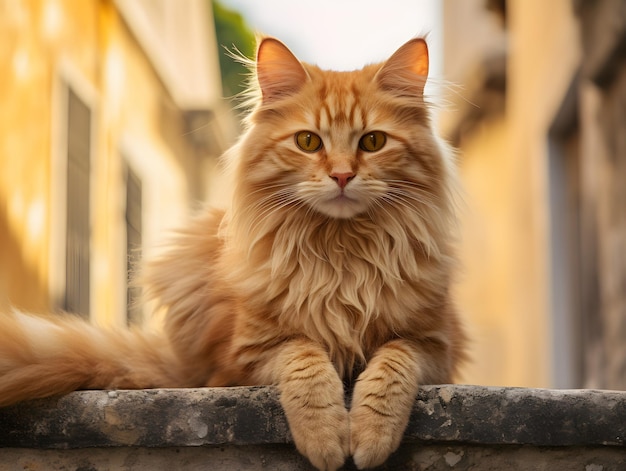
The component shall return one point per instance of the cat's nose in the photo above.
(342, 179)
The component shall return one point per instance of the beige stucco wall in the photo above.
(48, 45)
(34, 34)
(504, 287)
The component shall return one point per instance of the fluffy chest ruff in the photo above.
(350, 285)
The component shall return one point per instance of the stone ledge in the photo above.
(452, 427)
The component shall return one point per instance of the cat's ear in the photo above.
(279, 72)
(405, 72)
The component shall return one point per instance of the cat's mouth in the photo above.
(343, 197)
(342, 206)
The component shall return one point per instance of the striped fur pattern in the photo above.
(332, 266)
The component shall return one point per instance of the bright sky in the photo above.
(346, 34)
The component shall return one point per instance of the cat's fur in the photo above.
(330, 266)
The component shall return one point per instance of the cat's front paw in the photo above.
(312, 397)
(374, 435)
(323, 436)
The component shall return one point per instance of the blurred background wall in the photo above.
(540, 121)
(111, 122)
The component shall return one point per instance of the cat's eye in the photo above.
(372, 141)
(308, 141)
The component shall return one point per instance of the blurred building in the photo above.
(539, 117)
(110, 124)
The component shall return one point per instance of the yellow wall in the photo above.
(544, 58)
(33, 34)
(487, 280)
(505, 286)
(46, 46)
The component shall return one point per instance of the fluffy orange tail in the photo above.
(41, 357)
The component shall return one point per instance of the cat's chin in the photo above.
(341, 207)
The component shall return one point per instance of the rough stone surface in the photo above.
(147, 418)
(452, 427)
(517, 416)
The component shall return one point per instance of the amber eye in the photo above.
(372, 141)
(308, 141)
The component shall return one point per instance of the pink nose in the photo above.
(342, 179)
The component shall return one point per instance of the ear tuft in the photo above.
(405, 72)
(279, 72)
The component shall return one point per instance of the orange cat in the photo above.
(333, 264)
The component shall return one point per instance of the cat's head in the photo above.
(341, 144)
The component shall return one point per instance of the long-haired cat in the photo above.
(333, 265)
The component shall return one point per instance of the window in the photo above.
(77, 249)
(133, 242)
(565, 215)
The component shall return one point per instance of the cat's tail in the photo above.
(45, 356)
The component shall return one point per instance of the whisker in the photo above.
(414, 191)
(270, 187)
(414, 199)
(273, 203)
(395, 199)
(264, 209)
(382, 207)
